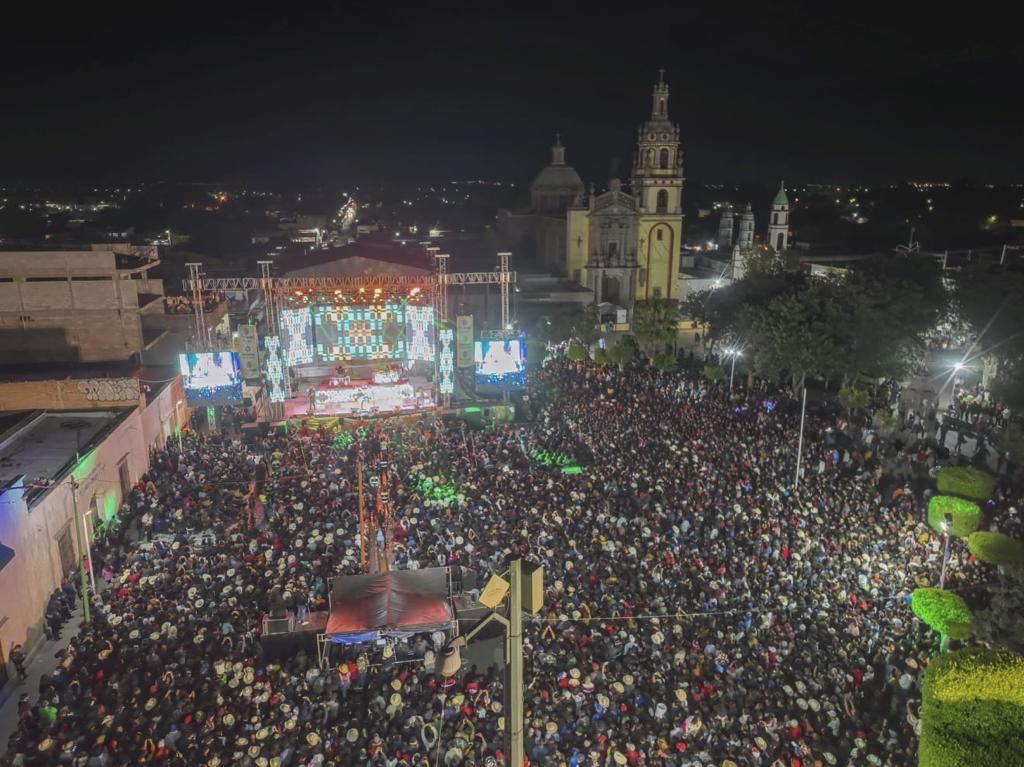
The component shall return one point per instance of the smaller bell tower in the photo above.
(778, 224)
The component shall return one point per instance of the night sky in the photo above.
(287, 95)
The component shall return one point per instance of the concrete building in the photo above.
(92, 305)
(40, 451)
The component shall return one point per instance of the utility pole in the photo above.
(800, 444)
(514, 653)
(81, 552)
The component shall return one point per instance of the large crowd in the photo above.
(700, 608)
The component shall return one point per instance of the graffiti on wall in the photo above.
(109, 389)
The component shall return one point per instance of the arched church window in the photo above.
(775, 218)
(663, 159)
(650, 159)
(662, 204)
(613, 250)
(661, 106)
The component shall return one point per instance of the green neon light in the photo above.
(470, 409)
(572, 470)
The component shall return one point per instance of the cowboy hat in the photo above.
(312, 739)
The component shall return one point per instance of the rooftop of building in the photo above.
(39, 448)
(376, 247)
(153, 378)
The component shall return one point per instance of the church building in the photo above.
(626, 245)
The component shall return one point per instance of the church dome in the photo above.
(557, 186)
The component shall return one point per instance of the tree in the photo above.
(601, 356)
(623, 351)
(570, 322)
(989, 300)
(655, 323)
(577, 352)
(853, 399)
(944, 611)
(762, 260)
(972, 709)
(790, 335)
(666, 362)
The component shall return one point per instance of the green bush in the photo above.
(966, 515)
(966, 483)
(943, 611)
(601, 356)
(666, 363)
(713, 373)
(578, 352)
(853, 399)
(972, 710)
(883, 419)
(996, 548)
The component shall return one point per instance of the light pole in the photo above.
(944, 524)
(493, 594)
(734, 353)
(800, 444)
(81, 550)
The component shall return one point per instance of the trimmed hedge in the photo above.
(966, 483)
(972, 710)
(601, 356)
(943, 611)
(996, 548)
(966, 515)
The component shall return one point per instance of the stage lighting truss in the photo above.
(275, 369)
(447, 360)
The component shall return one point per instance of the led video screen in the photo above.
(330, 333)
(211, 378)
(359, 332)
(501, 364)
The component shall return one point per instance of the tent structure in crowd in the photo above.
(398, 603)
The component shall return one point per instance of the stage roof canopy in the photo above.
(365, 607)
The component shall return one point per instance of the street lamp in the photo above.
(734, 353)
(944, 524)
(525, 590)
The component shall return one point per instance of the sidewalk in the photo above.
(40, 662)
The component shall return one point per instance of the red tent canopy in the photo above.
(404, 601)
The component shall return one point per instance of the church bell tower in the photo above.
(657, 183)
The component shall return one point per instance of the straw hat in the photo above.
(254, 750)
(262, 734)
(396, 699)
(46, 744)
(352, 735)
(618, 687)
(396, 684)
(229, 719)
(551, 728)
(628, 680)
(213, 762)
(620, 758)
(761, 743)
(312, 739)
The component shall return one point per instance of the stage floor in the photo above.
(363, 399)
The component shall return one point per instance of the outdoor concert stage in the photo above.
(362, 398)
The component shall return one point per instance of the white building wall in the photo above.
(28, 580)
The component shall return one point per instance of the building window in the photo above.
(650, 158)
(663, 158)
(662, 201)
(775, 218)
(659, 234)
(125, 477)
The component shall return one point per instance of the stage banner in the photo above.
(464, 340)
(249, 352)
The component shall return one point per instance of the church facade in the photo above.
(626, 245)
